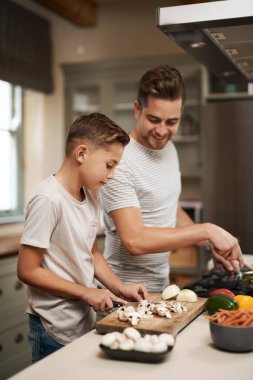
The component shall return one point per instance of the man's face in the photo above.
(157, 122)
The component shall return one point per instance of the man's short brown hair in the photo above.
(162, 82)
(97, 129)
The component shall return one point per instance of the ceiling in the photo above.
(83, 12)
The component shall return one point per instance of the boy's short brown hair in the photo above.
(162, 82)
(97, 129)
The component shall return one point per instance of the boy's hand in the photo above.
(136, 292)
(100, 299)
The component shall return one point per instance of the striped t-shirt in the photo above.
(150, 180)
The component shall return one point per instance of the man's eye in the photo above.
(154, 121)
(171, 123)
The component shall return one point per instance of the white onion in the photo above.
(170, 292)
(187, 295)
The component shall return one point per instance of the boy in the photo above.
(58, 256)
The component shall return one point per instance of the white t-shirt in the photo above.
(150, 180)
(66, 229)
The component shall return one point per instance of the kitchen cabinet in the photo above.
(110, 87)
(15, 351)
(214, 89)
(227, 114)
(189, 263)
(228, 174)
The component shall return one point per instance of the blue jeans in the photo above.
(42, 343)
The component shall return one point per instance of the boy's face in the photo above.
(99, 164)
(157, 122)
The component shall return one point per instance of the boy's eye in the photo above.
(109, 166)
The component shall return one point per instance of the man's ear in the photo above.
(137, 109)
(81, 153)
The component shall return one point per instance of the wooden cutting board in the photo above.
(156, 325)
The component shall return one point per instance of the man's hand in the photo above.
(225, 250)
(136, 292)
(224, 265)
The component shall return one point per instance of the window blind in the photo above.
(25, 48)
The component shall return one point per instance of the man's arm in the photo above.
(184, 220)
(139, 239)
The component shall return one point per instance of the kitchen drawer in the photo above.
(8, 266)
(13, 341)
(12, 316)
(12, 291)
(15, 363)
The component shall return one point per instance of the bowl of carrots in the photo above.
(232, 330)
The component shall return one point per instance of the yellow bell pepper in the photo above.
(244, 302)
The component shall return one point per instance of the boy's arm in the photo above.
(105, 275)
(32, 273)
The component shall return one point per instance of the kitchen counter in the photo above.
(194, 357)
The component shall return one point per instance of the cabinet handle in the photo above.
(19, 338)
(18, 285)
(1, 292)
(1, 348)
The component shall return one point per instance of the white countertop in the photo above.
(194, 357)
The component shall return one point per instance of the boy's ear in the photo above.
(81, 153)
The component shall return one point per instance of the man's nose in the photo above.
(161, 129)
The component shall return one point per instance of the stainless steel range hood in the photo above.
(218, 34)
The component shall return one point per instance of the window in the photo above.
(11, 189)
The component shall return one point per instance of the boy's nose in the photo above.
(111, 174)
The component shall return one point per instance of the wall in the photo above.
(125, 29)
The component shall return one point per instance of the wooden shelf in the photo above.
(186, 138)
(123, 107)
(87, 109)
(228, 96)
(192, 103)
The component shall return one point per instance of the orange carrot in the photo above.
(233, 317)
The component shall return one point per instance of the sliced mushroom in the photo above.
(134, 317)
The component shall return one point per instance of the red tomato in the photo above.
(222, 291)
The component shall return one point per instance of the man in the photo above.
(143, 219)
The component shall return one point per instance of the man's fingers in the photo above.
(235, 264)
(221, 263)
